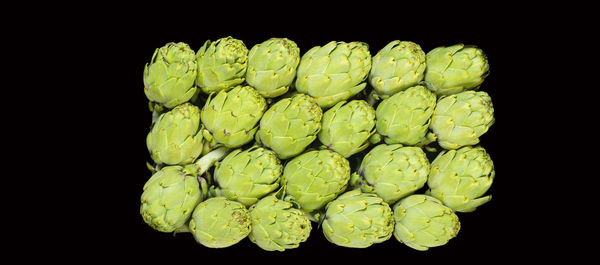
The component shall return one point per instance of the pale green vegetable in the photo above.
(277, 225)
(272, 66)
(460, 119)
(358, 220)
(315, 178)
(405, 117)
(169, 77)
(222, 64)
(460, 178)
(232, 116)
(334, 72)
(396, 67)
(423, 222)
(219, 223)
(455, 69)
(290, 125)
(392, 171)
(246, 176)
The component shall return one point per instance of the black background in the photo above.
(498, 230)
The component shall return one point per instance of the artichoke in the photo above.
(334, 72)
(315, 178)
(347, 127)
(172, 193)
(423, 222)
(454, 69)
(405, 117)
(176, 136)
(246, 176)
(460, 119)
(276, 225)
(169, 80)
(460, 177)
(392, 171)
(222, 64)
(358, 220)
(272, 66)
(396, 67)
(232, 116)
(290, 125)
(219, 223)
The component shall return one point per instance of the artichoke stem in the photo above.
(207, 161)
(372, 98)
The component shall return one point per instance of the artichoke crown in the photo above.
(423, 222)
(246, 176)
(219, 223)
(347, 126)
(454, 69)
(290, 125)
(315, 178)
(334, 72)
(232, 116)
(222, 64)
(405, 117)
(358, 220)
(272, 66)
(169, 77)
(460, 119)
(176, 136)
(460, 177)
(396, 67)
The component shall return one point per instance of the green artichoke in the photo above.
(232, 116)
(315, 178)
(423, 222)
(246, 176)
(396, 67)
(405, 117)
(290, 125)
(358, 220)
(222, 64)
(460, 119)
(169, 79)
(460, 177)
(176, 136)
(454, 69)
(334, 72)
(219, 223)
(276, 225)
(172, 193)
(272, 66)
(392, 171)
(347, 127)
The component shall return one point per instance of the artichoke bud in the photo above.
(222, 64)
(396, 67)
(219, 223)
(272, 66)
(169, 77)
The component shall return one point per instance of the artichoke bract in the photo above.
(347, 126)
(454, 69)
(290, 125)
(392, 171)
(459, 178)
(222, 64)
(172, 193)
(405, 117)
(246, 176)
(315, 178)
(396, 67)
(272, 66)
(277, 225)
(176, 136)
(334, 72)
(232, 116)
(358, 220)
(169, 79)
(219, 223)
(423, 222)
(460, 119)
